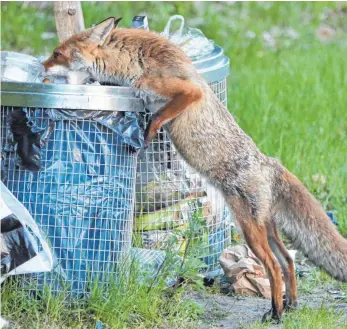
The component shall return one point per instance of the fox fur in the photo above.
(261, 193)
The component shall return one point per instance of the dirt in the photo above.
(237, 312)
(240, 312)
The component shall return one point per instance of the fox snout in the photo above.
(55, 67)
(50, 66)
(57, 63)
(49, 63)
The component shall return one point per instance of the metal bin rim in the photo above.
(76, 97)
(213, 67)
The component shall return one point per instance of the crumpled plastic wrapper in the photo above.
(150, 264)
(244, 272)
(20, 67)
(191, 40)
(22, 247)
(3, 323)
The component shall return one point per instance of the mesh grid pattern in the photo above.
(220, 89)
(170, 195)
(82, 198)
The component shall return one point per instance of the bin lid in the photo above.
(78, 97)
(214, 66)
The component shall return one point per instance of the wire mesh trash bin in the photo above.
(169, 194)
(72, 163)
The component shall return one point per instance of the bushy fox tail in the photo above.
(305, 222)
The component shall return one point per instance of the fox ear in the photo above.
(101, 31)
(117, 21)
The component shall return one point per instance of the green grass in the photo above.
(305, 317)
(309, 318)
(134, 298)
(290, 99)
(129, 306)
(127, 302)
(318, 279)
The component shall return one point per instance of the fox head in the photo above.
(74, 57)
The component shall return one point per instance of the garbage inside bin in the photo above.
(151, 263)
(23, 249)
(169, 194)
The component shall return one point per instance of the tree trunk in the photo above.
(68, 18)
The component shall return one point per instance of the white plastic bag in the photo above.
(3, 322)
(20, 240)
(19, 67)
(191, 40)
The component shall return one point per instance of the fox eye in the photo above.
(56, 54)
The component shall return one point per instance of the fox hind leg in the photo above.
(256, 238)
(286, 262)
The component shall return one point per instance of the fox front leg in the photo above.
(151, 130)
(182, 94)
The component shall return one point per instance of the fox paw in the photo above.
(146, 144)
(147, 140)
(271, 316)
(289, 306)
(150, 132)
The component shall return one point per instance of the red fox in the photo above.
(261, 193)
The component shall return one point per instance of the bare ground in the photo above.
(237, 312)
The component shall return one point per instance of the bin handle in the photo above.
(166, 31)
